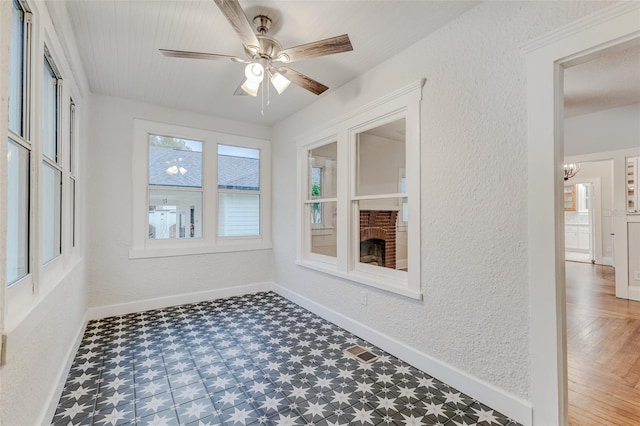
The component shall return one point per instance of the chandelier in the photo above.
(570, 170)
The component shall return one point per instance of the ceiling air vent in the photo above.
(361, 354)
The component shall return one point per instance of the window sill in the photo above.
(382, 283)
(153, 252)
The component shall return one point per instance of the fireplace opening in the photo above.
(372, 252)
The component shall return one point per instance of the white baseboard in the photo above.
(54, 396)
(506, 403)
(634, 293)
(99, 312)
(607, 261)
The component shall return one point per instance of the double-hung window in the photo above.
(51, 170)
(73, 173)
(19, 148)
(360, 198)
(206, 192)
(321, 201)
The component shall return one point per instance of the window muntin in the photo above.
(238, 191)
(18, 193)
(175, 187)
(17, 70)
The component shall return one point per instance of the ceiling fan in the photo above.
(265, 56)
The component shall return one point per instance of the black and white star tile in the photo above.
(257, 359)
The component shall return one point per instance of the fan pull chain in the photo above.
(262, 100)
(268, 92)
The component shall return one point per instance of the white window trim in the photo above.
(404, 103)
(143, 247)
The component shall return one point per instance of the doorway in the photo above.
(614, 27)
(579, 224)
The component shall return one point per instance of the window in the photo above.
(72, 170)
(18, 148)
(380, 153)
(321, 201)
(207, 192)
(361, 191)
(51, 170)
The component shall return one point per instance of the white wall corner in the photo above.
(98, 312)
(498, 399)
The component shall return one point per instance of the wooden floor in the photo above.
(603, 348)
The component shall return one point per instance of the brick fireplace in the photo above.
(378, 237)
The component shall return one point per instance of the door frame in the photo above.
(546, 56)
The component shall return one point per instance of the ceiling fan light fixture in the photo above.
(279, 81)
(283, 57)
(251, 87)
(254, 72)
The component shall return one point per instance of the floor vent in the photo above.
(361, 354)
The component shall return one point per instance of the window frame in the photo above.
(72, 173)
(307, 200)
(209, 242)
(404, 103)
(57, 163)
(24, 140)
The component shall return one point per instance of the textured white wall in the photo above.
(609, 130)
(113, 277)
(474, 315)
(39, 352)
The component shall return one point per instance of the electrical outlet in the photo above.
(363, 298)
(636, 275)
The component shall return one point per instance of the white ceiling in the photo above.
(119, 41)
(610, 80)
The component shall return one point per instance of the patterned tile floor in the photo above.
(255, 359)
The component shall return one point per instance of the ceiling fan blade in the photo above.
(232, 10)
(303, 81)
(324, 47)
(198, 55)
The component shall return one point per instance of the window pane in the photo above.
(238, 214)
(51, 179)
(17, 212)
(16, 69)
(238, 168)
(50, 113)
(324, 233)
(72, 137)
(175, 214)
(380, 155)
(383, 242)
(72, 188)
(175, 162)
(322, 167)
